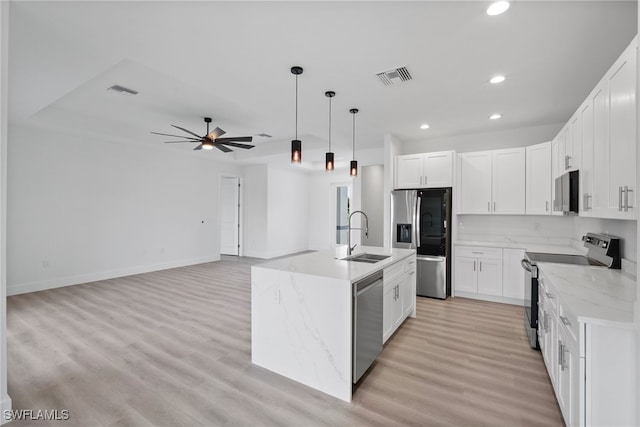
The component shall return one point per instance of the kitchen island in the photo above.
(302, 312)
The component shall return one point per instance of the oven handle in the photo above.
(526, 265)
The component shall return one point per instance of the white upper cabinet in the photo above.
(600, 167)
(509, 181)
(538, 179)
(586, 171)
(428, 170)
(409, 171)
(621, 82)
(474, 183)
(492, 182)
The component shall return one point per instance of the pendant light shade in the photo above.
(353, 169)
(296, 144)
(329, 157)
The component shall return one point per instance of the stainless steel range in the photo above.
(603, 251)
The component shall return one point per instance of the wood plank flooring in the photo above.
(173, 348)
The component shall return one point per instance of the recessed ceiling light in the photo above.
(497, 7)
(424, 126)
(497, 79)
(495, 116)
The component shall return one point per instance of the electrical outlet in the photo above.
(45, 264)
(536, 226)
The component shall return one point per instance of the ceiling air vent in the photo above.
(395, 75)
(264, 135)
(123, 90)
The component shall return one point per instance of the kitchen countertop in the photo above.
(595, 294)
(329, 263)
(529, 247)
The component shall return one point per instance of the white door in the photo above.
(509, 181)
(538, 179)
(409, 171)
(438, 169)
(229, 216)
(474, 193)
(490, 276)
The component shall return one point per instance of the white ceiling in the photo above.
(231, 61)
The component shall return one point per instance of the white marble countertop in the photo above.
(329, 263)
(594, 294)
(529, 247)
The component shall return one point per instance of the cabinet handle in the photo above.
(561, 355)
(585, 202)
(548, 295)
(421, 180)
(620, 199)
(494, 206)
(626, 198)
(474, 266)
(565, 320)
(546, 206)
(425, 180)
(488, 206)
(480, 262)
(567, 162)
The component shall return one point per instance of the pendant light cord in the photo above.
(354, 136)
(296, 106)
(330, 124)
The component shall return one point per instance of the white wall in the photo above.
(255, 211)
(372, 194)
(275, 211)
(287, 211)
(5, 400)
(486, 141)
(82, 209)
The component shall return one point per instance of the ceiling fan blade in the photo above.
(199, 147)
(222, 148)
(178, 142)
(188, 131)
(176, 136)
(217, 132)
(236, 139)
(235, 144)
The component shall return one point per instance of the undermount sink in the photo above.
(368, 258)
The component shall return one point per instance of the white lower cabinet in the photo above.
(399, 295)
(489, 273)
(590, 364)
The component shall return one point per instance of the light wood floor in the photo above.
(173, 348)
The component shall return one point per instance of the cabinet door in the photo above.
(408, 293)
(398, 313)
(466, 278)
(509, 181)
(600, 170)
(622, 135)
(572, 143)
(409, 171)
(513, 274)
(587, 166)
(388, 301)
(568, 369)
(474, 183)
(555, 169)
(490, 276)
(538, 179)
(438, 169)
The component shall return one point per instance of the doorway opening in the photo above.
(230, 231)
(342, 198)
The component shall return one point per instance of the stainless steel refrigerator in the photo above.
(421, 220)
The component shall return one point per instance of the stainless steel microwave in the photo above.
(566, 197)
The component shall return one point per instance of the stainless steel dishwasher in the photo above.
(367, 323)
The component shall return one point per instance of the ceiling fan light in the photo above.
(207, 145)
(296, 151)
(353, 170)
(328, 162)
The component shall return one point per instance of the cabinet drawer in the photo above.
(393, 271)
(410, 264)
(569, 321)
(479, 252)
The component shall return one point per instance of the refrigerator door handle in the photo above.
(417, 220)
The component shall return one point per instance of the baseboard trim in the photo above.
(492, 298)
(60, 282)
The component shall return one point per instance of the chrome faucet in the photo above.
(366, 231)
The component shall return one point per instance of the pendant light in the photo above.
(353, 169)
(296, 144)
(329, 157)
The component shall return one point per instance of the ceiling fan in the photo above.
(210, 139)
